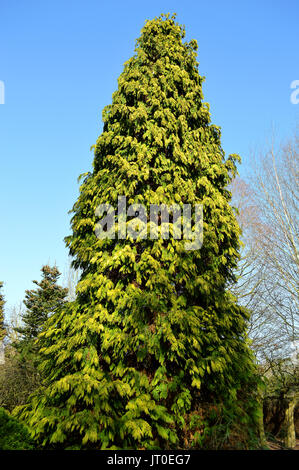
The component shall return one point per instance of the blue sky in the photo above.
(59, 61)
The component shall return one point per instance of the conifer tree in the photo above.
(154, 343)
(40, 304)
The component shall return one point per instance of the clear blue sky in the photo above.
(60, 61)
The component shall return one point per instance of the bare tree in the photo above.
(268, 268)
(15, 321)
(277, 193)
(71, 278)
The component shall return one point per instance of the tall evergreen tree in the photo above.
(153, 351)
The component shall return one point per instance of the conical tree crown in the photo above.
(158, 146)
(153, 333)
(41, 303)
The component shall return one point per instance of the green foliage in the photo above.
(2, 302)
(153, 332)
(40, 304)
(13, 435)
(281, 377)
(19, 377)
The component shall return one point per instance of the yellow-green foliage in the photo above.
(153, 332)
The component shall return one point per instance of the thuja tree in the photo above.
(153, 351)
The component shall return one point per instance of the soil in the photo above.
(278, 445)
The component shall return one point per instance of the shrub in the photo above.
(13, 434)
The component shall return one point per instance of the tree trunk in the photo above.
(290, 435)
(261, 426)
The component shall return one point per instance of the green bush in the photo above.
(13, 434)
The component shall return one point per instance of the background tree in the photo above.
(19, 376)
(267, 275)
(40, 304)
(268, 270)
(252, 275)
(71, 278)
(153, 351)
(14, 323)
(277, 195)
